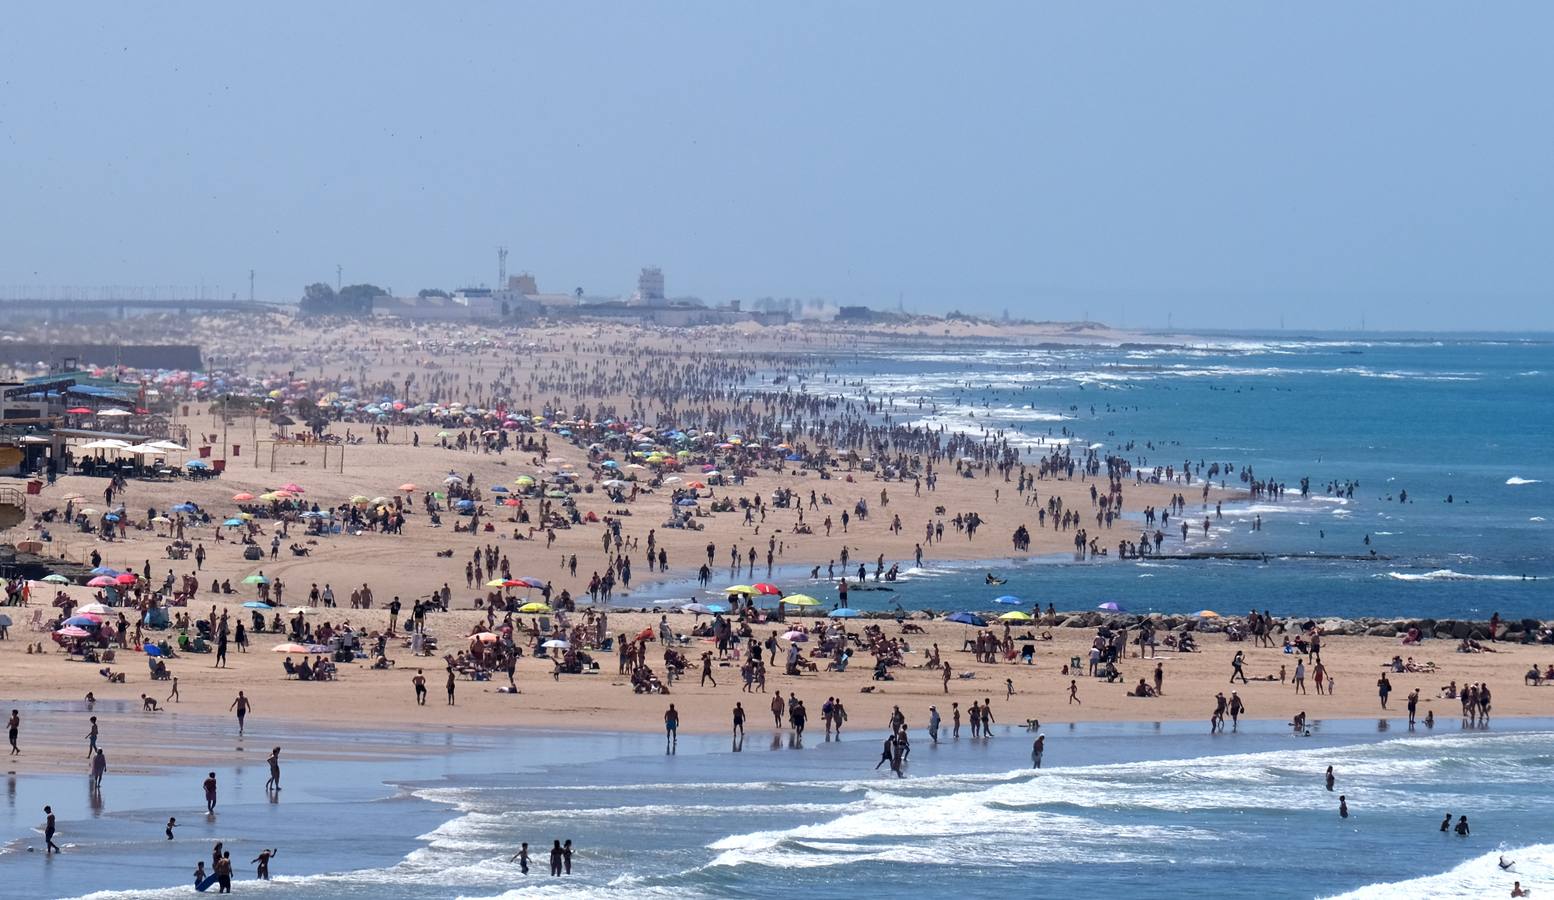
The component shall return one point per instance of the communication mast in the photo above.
(501, 268)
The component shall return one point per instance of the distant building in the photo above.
(650, 288)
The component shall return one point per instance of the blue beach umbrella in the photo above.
(1008, 600)
(845, 612)
(1112, 606)
(104, 570)
(233, 523)
(257, 604)
(152, 650)
(966, 618)
(196, 464)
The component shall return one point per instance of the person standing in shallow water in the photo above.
(1343, 807)
(555, 859)
(1330, 778)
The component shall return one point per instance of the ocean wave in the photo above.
(1446, 575)
(1514, 479)
(1478, 877)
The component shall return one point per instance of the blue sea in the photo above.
(1137, 806)
(1436, 416)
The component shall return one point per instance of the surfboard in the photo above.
(207, 882)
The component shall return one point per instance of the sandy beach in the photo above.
(591, 371)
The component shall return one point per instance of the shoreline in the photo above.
(408, 813)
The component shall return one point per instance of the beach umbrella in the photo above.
(685, 502)
(79, 411)
(302, 610)
(966, 618)
(497, 582)
(845, 612)
(72, 631)
(257, 604)
(716, 608)
(111, 517)
(535, 607)
(697, 608)
(796, 637)
(1206, 614)
(556, 644)
(242, 496)
(88, 511)
(738, 589)
(256, 579)
(83, 621)
(56, 578)
(161, 520)
(196, 464)
(765, 588)
(1016, 616)
(407, 487)
(484, 637)
(233, 523)
(95, 609)
(1112, 606)
(152, 650)
(288, 648)
(1008, 600)
(125, 578)
(800, 600)
(293, 488)
(499, 488)
(101, 581)
(104, 570)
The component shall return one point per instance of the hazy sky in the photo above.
(1225, 162)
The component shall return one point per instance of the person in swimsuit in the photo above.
(243, 706)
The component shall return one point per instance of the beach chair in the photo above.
(36, 622)
(544, 625)
(1074, 664)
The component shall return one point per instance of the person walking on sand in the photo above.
(419, 681)
(12, 727)
(210, 793)
(946, 677)
(274, 782)
(778, 708)
(91, 739)
(1383, 688)
(1300, 676)
(243, 707)
(739, 721)
(173, 697)
(1073, 692)
(450, 686)
(671, 728)
(706, 669)
(1236, 665)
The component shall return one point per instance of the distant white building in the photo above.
(650, 288)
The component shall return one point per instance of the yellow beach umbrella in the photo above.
(738, 589)
(535, 607)
(799, 600)
(1016, 616)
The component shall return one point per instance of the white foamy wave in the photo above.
(1448, 575)
(1478, 877)
(1516, 479)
